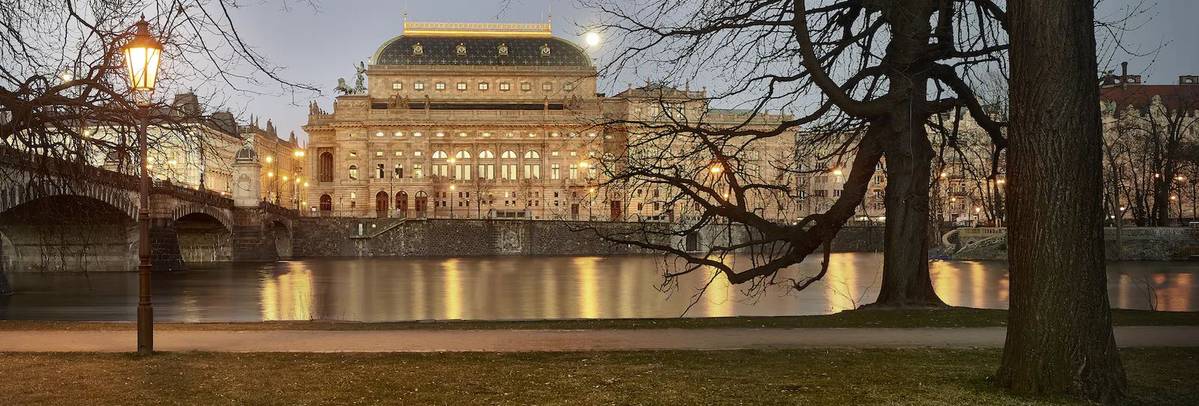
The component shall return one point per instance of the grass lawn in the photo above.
(949, 317)
(925, 377)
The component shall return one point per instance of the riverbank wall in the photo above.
(1125, 244)
(358, 237)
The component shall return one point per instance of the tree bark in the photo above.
(906, 280)
(1059, 336)
(5, 288)
(908, 153)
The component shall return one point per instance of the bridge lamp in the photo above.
(270, 174)
(269, 159)
(142, 55)
(285, 178)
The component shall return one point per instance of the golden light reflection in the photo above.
(288, 296)
(718, 299)
(588, 287)
(945, 279)
(453, 289)
(841, 284)
(978, 284)
(627, 287)
(549, 295)
(419, 311)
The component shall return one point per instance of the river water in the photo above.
(505, 288)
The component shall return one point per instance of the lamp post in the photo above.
(590, 204)
(452, 189)
(142, 55)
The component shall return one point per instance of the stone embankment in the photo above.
(353, 237)
(1123, 244)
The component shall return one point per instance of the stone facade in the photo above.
(490, 121)
(354, 237)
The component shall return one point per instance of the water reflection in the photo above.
(528, 288)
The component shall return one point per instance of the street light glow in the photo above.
(142, 55)
(592, 39)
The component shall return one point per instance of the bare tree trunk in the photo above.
(909, 154)
(5, 287)
(1059, 336)
(906, 281)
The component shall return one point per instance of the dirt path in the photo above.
(552, 340)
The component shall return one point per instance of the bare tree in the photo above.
(1146, 147)
(873, 74)
(64, 103)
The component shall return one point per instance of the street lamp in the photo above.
(142, 55)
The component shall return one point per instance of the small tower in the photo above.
(247, 185)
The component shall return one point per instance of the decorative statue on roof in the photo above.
(359, 84)
(343, 87)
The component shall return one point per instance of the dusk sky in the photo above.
(317, 46)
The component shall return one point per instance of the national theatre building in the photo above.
(476, 121)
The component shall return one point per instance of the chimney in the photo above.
(1123, 73)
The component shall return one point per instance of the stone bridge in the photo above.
(56, 216)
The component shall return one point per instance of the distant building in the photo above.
(197, 150)
(485, 121)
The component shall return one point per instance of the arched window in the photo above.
(353, 172)
(421, 203)
(486, 169)
(402, 203)
(326, 167)
(532, 167)
(462, 155)
(381, 203)
(508, 155)
(440, 155)
(326, 203)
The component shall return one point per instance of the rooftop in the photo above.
(480, 44)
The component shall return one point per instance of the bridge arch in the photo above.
(47, 231)
(120, 199)
(223, 216)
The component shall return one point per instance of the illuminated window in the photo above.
(419, 85)
(397, 85)
(484, 86)
(505, 86)
(439, 86)
(461, 86)
(526, 86)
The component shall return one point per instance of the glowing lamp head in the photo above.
(716, 169)
(142, 55)
(592, 39)
(299, 153)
